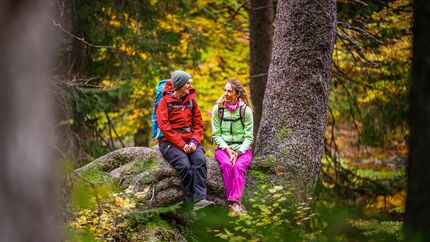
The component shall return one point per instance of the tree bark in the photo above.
(27, 172)
(261, 35)
(418, 199)
(291, 133)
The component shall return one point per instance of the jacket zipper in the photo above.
(231, 126)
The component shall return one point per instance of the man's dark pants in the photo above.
(191, 169)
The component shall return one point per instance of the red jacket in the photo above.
(179, 118)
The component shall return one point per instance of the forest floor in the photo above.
(390, 156)
(384, 165)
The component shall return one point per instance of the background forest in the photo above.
(113, 53)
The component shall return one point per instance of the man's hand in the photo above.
(193, 147)
(187, 148)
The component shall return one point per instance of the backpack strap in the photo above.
(190, 105)
(242, 114)
(221, 112)
(171, 106)
(242, 110)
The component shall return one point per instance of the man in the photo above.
(180, 121)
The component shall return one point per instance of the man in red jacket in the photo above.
(180, 121)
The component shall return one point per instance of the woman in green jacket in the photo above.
(232, 127)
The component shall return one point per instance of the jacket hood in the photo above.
(168, 92)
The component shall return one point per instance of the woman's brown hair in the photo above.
(238, 88)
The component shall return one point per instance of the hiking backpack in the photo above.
(156, 132)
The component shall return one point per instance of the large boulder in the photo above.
(139, 169)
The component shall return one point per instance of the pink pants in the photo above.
(234, 176)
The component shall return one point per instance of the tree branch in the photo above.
(361, 2)
(357, 47)
(262, 7)
(79, 38)
(110, 131)
(113, 129)
(357, 29)
(258, 75)
(343, 74)
(235, 13)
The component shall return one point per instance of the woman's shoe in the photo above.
(236, 209)
(242, 208)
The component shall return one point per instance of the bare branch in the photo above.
(343, 74)
(357, 47)
(351, 52)
(359, 30)
(113, 129)
(258, 75)
(262, 7)
(361, 2)
(235, 13)
(80, 38)
(110, 131)
(332, 138)
(84, 82)
(101, 137)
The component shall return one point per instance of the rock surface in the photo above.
(140, 169)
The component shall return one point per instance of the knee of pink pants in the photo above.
(222, 157)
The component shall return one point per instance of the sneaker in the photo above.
(242, 208)
(236, 209)
(201, 204)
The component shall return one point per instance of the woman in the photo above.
(180, 121)
(232, 127)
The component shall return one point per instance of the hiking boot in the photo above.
(201, 204)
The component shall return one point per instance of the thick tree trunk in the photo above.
(292, 127)
(27, 173)
(418, 200)
(261, 35)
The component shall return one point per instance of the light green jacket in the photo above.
(227, 131)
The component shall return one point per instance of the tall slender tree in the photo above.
(418, 200)
(27, 173)
(292, 127)
(261, 35)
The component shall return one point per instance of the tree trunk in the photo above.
(292, 127)
(70, 66)
(141, 138)
(27, 173)
(261, 34)
(418, 200)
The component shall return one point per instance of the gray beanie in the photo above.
(179, 78)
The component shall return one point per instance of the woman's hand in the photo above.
(233, 155)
